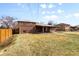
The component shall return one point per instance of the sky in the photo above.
(42, 12)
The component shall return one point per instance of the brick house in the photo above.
(30, 27)
(75, 28)
(43, 28)
(61, 27)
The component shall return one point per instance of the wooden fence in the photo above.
(5, 34)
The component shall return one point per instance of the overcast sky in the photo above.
(57, 12)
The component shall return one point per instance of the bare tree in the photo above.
(7, 21)
(51, 23)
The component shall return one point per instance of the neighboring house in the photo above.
(62, 27)
(30, 27)
(75, 28)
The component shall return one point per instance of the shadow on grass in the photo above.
(8, 42)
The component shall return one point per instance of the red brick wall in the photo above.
(26, 27)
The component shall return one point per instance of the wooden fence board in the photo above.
(5, 34)
(10, 32)
(2, 35)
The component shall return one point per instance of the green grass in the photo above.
(48, 44)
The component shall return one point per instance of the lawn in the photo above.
(47, 44)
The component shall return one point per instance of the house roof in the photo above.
(26, 21)
(37, 24)
(44, 25)
(62, 24)
(77, 26)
